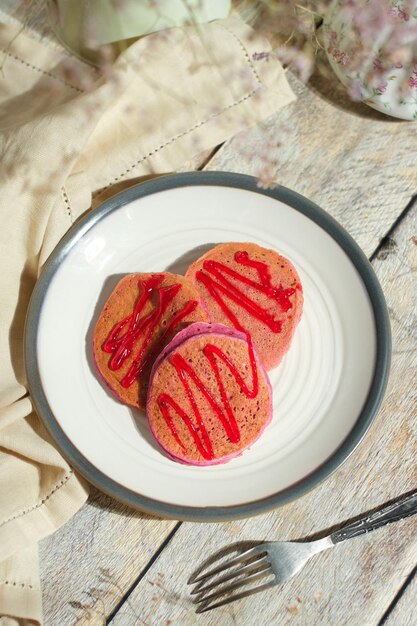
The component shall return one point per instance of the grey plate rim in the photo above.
(221, 513)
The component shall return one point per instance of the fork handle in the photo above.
(402, 508)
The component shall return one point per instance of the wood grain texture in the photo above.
(404, 612)
(354, 583)
(356, 163)
(361, 167)
(113, 544)
(89, 564)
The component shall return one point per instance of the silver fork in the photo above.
(276, 562)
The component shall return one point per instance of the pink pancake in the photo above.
(209, 395)
(142, 315)
(254, 290)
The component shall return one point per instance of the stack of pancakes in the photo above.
(195, 351)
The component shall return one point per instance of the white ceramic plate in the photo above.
(326, 391)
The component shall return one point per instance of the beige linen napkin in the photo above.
(68, 133)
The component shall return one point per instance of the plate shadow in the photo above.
(180, 265)
(138, 416)
(140, 422)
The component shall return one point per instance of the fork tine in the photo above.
(237, 585)
(250, 567)
(203, 608)
(234, 561)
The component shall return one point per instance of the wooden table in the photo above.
(112, 564)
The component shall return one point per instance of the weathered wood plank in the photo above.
(123, 548)
(356, 163)
(404, 612)
(113, 545)
(89, 564)
(355, 583)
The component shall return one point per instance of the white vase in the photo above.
(395, 92)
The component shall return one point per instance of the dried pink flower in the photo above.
(260, 56)
(382, 87)
(298, 61)
(412, 81)
(355, 90)
(400, 12)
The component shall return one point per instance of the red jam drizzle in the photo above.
(214, 277)
(225, 413)
(138, 328)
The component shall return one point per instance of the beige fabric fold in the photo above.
(69, 135)
(20, 594)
